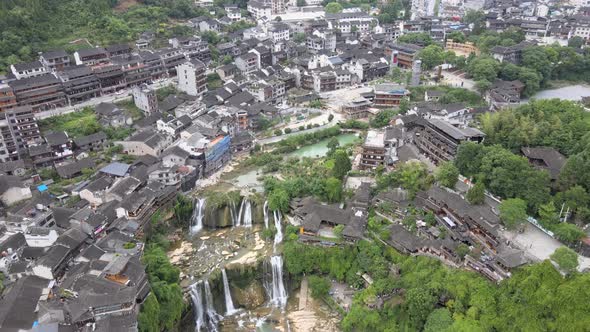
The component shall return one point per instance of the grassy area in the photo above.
(75, 124)
(129, 107)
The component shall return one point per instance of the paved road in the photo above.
(111, 98)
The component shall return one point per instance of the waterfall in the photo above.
(248, 214)
(212, 315)
(232, 211)
(197, 217)
(279, 234)
(195, 292)
(229, 305)
(278, 293)
(239, 223)
(265, 211)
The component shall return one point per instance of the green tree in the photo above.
(404, 106)
(278, 132)
(333, 190)
(299, 37)
(483, 86)
(418, 38)
(575, 42)
(484, 69)
(438, 320)
(548, 215)
(456, 36)
(531, 80)
(566, 258)
(431, 56)
(278, 200)
(342, 164)
(183, 210)
(462, 250)
(333, 8)
(338, 231)
(568, 233)
(148, 316)
(320, 286)
(382, 118)
(419, 304)
(513, 212)
(301, 3)
(447, 174)
(476, 194)
(333, 144)
(468, 158)
(413, 176)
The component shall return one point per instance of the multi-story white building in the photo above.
(259, 9)
(28, 69)
(145, 99)
(279, 32)
(191, 77)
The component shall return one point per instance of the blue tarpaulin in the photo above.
(42, 188)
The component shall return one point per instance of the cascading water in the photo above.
(212, 315)
(197, 298)
(198, 215)
(278, 293)
(279, 234)
(265, 211)
(248, 214)
(229, 304)
(239, 218)
(232, 211)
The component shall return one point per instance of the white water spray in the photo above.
(248, 214)
(197, 298)
(198, 215)
(279, 234)
(278, 293)
(229, 304)
(212, 315)
(265, 211)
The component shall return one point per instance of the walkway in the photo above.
(303, 294)
(539, 245)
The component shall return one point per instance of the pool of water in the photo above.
(249, 180)
(320, 148)
(572, 92)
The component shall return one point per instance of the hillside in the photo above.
(31, 26)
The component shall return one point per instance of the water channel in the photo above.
(320, 148)
(571, 92)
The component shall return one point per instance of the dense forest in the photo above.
(420, 293)
(498, 165)
(31, 26)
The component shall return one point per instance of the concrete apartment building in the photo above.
(145, 99)
(191, 77)
(374, 150)
(18, 130)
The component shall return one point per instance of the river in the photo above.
(571, 92)
(320, 148)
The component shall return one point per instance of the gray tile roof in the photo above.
(115, 168)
